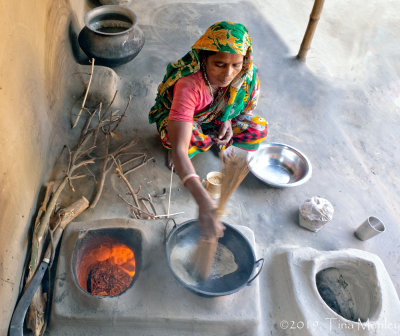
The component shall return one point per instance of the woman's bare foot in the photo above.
(170, 161)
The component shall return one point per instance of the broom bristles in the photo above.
(233, 173)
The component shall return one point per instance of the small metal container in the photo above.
(280, 165)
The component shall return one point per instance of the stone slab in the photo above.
(291, 303)
(156, 304)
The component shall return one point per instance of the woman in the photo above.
(207, 98)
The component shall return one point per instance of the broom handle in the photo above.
(206, 249)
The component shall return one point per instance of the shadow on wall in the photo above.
(73, 33)
(93, 3)
(57, 57)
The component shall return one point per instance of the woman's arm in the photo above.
(179, 133)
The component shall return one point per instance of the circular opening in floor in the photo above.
(350, 292)
(106, 261)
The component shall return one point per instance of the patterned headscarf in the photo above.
(223, 36)
(226, 37)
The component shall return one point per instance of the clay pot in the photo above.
(111, 35)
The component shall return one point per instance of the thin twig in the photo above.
(89, 120)
(80, 164)
(42, 209)
(91, 173)
(80, 149)
(135, 207)
(115, 114)
(76, 177)
(86, 94)
(112, 100)
(149, 200)
(134, 159)
(106, 167)
(145, 206)
(152, 204)
(69, 158)
(124, 147)
(170, 188)
(133, 153)
(139, 166)
(173, 214)
(96, 132)
(71, 185)
(123, 177)
(119, 152)
(122, 115)
(103, 116)
(103, 174)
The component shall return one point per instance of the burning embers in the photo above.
(105, 265)
(111, 270)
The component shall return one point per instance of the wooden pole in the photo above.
(312, 25)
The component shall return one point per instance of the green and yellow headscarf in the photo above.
(223, 36)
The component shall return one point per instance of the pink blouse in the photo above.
(191, 96)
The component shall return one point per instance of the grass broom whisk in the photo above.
(234, 171)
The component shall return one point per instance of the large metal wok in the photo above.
(188, 233)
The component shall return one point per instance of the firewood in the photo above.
(79, 157)
(86, 94)
(107, 161)
(35, 319)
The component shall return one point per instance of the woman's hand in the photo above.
(225, 134)
(180, 133)
(210, 226)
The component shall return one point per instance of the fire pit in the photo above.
(154, 303)
(104, 260)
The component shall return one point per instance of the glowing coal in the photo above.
(107, 270)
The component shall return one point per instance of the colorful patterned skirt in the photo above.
(248, 132)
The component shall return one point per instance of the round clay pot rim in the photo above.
(109, 9)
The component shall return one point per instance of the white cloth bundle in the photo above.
(315, 212)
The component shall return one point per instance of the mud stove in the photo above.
(149, 300)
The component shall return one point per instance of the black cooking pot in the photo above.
(188, 233)
(111, 35)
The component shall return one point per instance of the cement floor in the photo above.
(341, 109)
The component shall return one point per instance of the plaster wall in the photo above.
(35, 54)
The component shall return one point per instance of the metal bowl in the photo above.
(280, 165)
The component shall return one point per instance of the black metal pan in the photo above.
(248, 268)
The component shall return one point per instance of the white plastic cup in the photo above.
(369, 228)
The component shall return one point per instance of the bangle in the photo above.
(189, 176)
